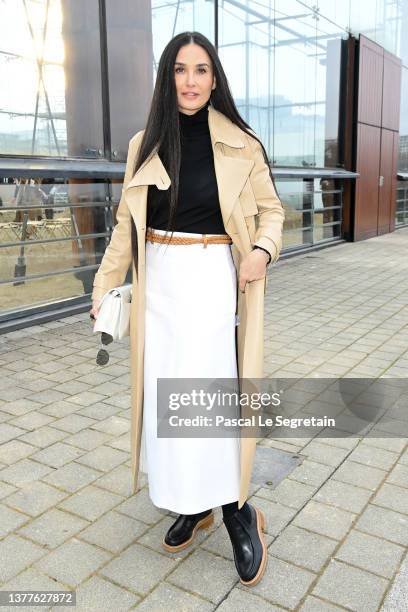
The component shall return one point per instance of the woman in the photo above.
(197, 297)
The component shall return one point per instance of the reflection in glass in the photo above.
(137, 33)
(401, 213)
(312, 210)
(283, 65)
(56, 231)
(50, 61)
(403, 131)
(172, 17)
(337, 12)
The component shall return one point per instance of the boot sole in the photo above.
(261, 528)
(206, 522)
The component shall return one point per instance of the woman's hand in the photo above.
(253, 267)
(94, 310)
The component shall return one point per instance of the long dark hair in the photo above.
(162, 128)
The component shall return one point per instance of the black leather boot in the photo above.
(250, 554)
(182, 532)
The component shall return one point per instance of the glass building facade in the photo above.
(77, 83)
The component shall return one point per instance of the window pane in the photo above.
(50, 53)
(313, 210)
(136, 36)
(52, 239)
(283, 62)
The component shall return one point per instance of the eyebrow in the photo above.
(182, 64)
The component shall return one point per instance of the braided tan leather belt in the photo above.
(212, 239)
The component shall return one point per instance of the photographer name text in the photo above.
(255, 420)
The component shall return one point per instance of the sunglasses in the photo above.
(102, 357)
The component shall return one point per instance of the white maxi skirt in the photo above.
(189, 333)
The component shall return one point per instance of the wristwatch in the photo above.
(259, 247)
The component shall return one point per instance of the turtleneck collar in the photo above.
(199, 118)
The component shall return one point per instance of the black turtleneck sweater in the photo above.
(198, 207)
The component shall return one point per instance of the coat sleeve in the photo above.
(118, 254)
(271, 214)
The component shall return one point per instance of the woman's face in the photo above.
(194, 78)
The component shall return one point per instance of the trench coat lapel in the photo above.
(231, 172)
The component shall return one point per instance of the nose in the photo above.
(190, 77)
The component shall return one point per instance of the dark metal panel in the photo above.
(387, 177)
(391, 91)
(83, 78)
(370, 81)
(130, 69)
(366, 197)
(346, 129)
(379, 87)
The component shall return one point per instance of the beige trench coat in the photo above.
(252, 214)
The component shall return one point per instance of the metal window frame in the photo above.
(53, 168)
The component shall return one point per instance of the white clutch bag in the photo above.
(114, 312)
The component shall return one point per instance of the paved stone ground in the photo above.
(337, 525)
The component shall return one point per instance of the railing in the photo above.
(54, 227)
(401, 212)
(52, 239)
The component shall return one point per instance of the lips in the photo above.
(190, 95)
